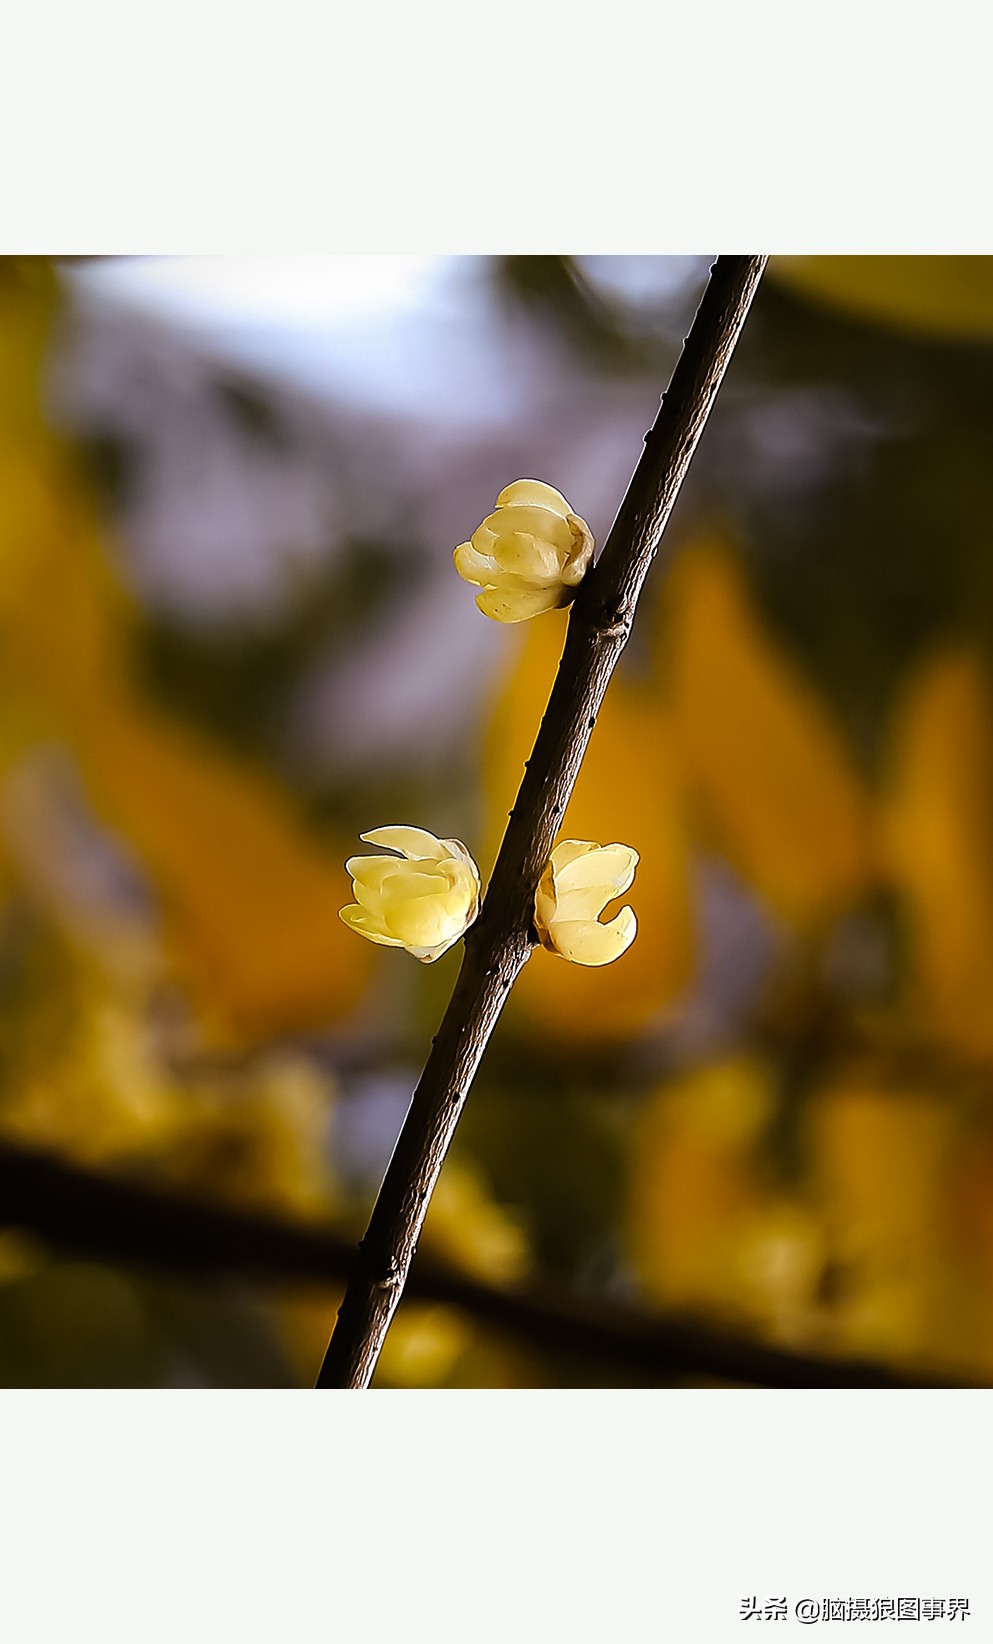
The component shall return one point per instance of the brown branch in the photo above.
(498, 945)
(129, 1224)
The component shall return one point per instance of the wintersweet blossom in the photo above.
(574, 889)
(527, 557)
(423, 899)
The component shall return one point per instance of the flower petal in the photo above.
(473, 566)
(483, 539)
(410, 883)
(371, 870)
(544, 906)
(609, 868)
(534, 492)
(515, 605)
(426, 921)
(580, 553)
(366, 924)
(455, 847)
(585, 942)
(524, 555)
(423, 899)
(415, 843)
(570, 850)
(538, 522)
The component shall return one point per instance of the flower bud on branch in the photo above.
(527, 557)
(423, 900)
(574, 889)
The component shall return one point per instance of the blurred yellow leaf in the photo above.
(249, 897)
(81, 1073)
(258, 1139)
(465, 1225)
(250, 900)
(707, 1233)
(625, 791)
(690, 1183)
(422, 1346)
(87, 1071)
(938, 840)
(946, 296)
(886, 1167)
(867, 1252)
(769, 773)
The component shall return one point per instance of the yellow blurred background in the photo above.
(231, 639)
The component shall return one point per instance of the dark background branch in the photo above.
(107, 1218)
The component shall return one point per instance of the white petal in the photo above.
(533, 491)
(415, 843)
(590, 943)
(360, 920)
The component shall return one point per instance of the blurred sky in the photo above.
(401, 334)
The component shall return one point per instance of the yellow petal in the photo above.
(424, 922)
(580, 553)
(411, 883)
(517, 606)
(570, 850)
(538, 522)
(415, 843)
(533, 492)
(370, 871)
(609, 868)
(473, 566)
(585, 942)
(371, 894)
(361, 920)
(586, 904)
(457, 849)
(483, 539)
(525, 555)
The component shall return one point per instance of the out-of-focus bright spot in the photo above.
(644, 282)
(266, 290)
(416, 336)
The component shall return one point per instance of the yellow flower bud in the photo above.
(576, 886)
(529, 556)
(422, 899)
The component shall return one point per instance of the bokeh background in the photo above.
(231, 639)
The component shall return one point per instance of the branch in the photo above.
(497, 946)
(107, 1218)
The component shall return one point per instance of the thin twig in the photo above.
(106, 1218)
(498, 945)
